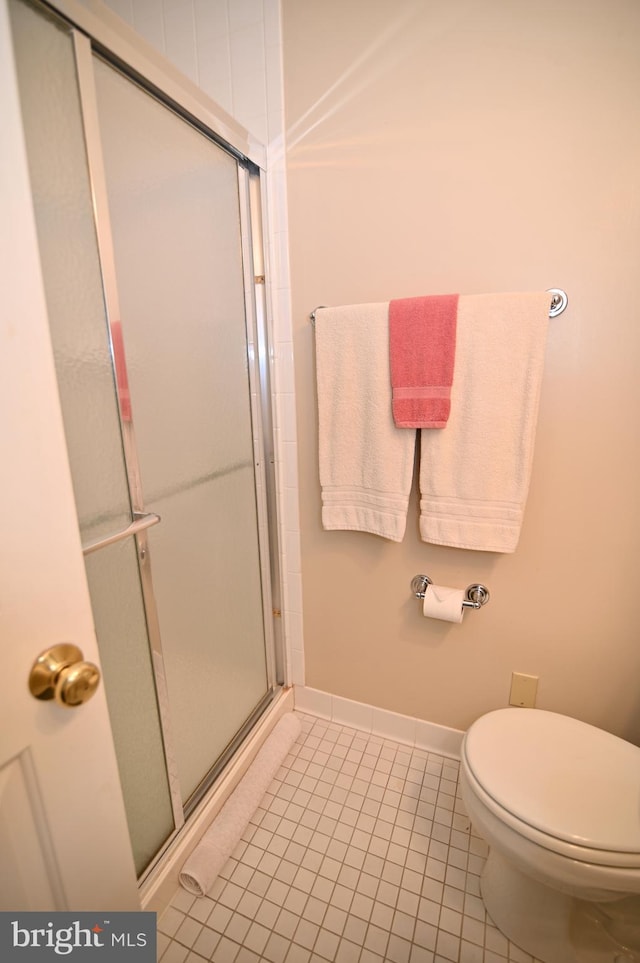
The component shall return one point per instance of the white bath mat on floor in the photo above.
(223, 835)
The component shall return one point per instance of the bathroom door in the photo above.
(64, 843)
(147, 255)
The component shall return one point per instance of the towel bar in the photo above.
(476, 595)
(559, 302)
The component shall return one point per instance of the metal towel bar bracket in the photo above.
(559, 302)
(476, 595)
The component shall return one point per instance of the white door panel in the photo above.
(60, 799)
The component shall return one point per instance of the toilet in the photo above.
(558, 802)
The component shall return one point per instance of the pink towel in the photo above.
(422, 344)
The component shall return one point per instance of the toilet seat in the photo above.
(567, 786)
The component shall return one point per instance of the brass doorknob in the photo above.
(60, 673)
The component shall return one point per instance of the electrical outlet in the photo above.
(523, 690)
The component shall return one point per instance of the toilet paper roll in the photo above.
(442, 602)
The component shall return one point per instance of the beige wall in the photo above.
(477, 146)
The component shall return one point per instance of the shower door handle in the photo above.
(141, 521)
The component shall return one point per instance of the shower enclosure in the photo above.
(149, 230)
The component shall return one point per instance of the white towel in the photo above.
(474, 474)
(366, 463)
(202, 867)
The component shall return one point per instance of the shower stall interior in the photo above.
(149, 227)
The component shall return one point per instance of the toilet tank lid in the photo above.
(563, 777)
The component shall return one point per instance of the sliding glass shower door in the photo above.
(146, 252)
(175, 223)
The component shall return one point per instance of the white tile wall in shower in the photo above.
(227, 47)
(144, 17)
(180, 36)
(249, 66)
(213, 51)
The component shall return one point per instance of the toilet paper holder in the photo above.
(476, 595)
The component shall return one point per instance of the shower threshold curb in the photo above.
(159, 886)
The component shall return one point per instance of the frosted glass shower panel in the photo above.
(174, 208)
(126, 661)
(71, 268)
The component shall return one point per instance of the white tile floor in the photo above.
(361, 852)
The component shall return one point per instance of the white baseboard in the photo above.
(158, 889)
(379, 722)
